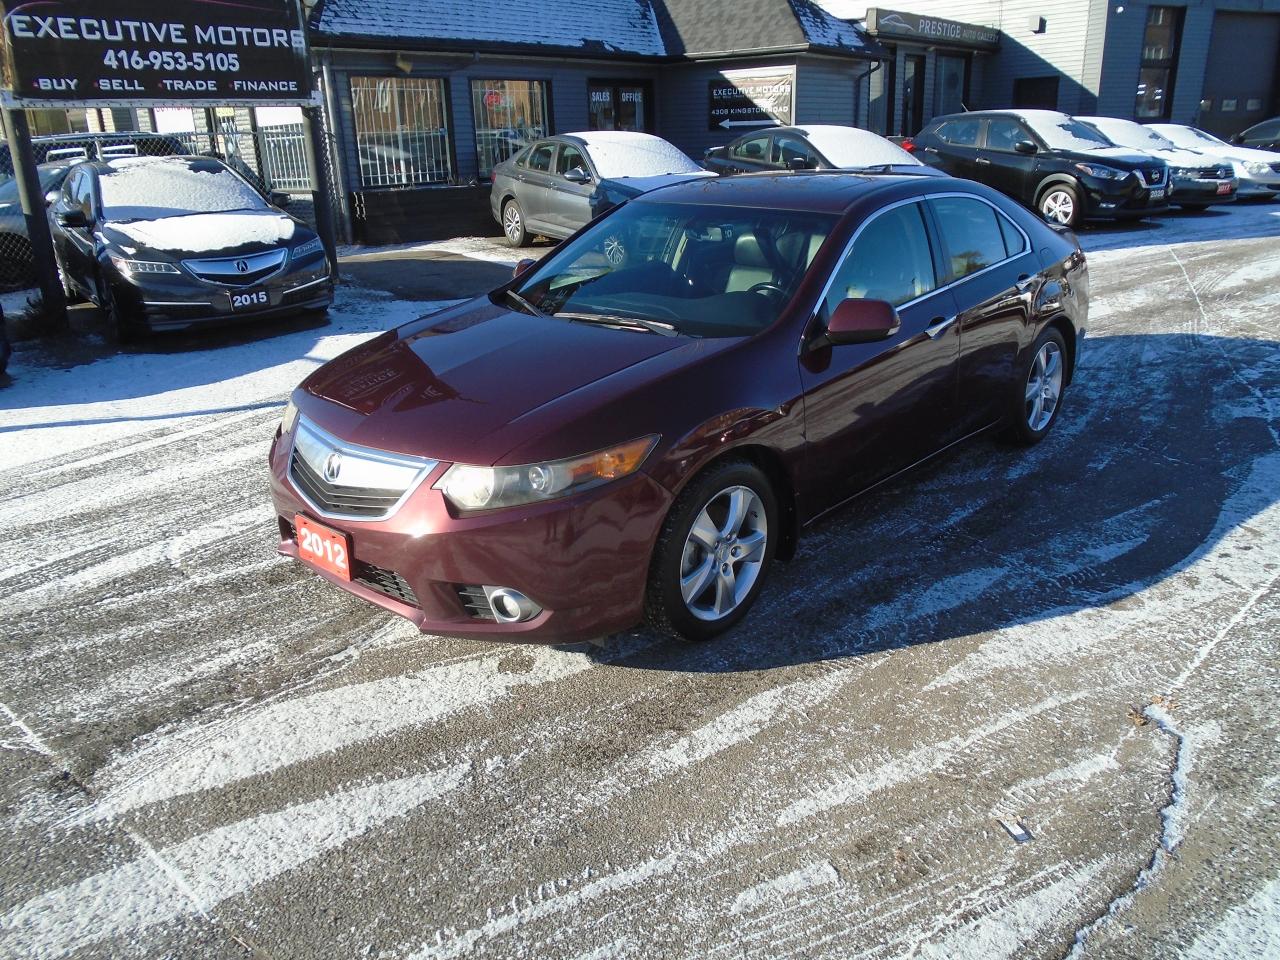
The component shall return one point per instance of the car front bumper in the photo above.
(1105, 199)
(1203, 190)
(584, 560)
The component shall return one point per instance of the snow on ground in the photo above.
(49, 411)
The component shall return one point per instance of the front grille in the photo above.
(476, 602)
(348, 501)
(386, 582)
(238, 271)
(1153, 176)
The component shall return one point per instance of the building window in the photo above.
(618, 106)
(1159, 61)
(952, 82)
(509, 114)
(402, 135)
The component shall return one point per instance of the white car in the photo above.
(1198, 178)
(1257, 170)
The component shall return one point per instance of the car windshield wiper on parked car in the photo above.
(610, 320)
(524, 304)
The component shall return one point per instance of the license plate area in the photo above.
(1224, 188)
(1157, 193)
(250, 299)
(323, 547)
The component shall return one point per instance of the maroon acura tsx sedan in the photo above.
(606, 440)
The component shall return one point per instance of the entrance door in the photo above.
(912, 95)
(1240, 76)
(620, 106)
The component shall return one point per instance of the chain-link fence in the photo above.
(273, 159)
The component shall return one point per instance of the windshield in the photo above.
(1129, 134)
(701, 270)
(148, 189)
(1067, 134)
(847, 147)
(635, 155)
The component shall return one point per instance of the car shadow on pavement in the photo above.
(1242, 219)
(1166, 445)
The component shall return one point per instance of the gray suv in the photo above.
(554, 186)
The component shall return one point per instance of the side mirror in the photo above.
(279, 199)
(861, 321)
(800, 163)
(1025, 146)
(522, 266)
(578, 175)
(71, 217)
(51, 197)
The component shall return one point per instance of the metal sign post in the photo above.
(31, 195)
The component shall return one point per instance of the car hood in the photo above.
(1245, 154)
(475, 381)
(638, 185)
(207, 234)
(1185, 158)
(1124, 155)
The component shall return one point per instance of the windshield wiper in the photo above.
(524, 304)
(604, 319)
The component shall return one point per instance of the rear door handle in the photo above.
(938, 326)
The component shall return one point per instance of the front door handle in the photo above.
(983, 160)
(938, 326)
(1025, 283)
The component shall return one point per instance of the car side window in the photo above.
(786, 149)
(959, 133)
(1014, 242)
(971, 233)
(570, 157)
(756, 150)
(1004, 132)
(83, 197)
(1268, 130)
(891, 260)
(540, 157)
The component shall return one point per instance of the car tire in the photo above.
(1042, 384)
(724, 528)
(1060, 203)
(116, 328)
(513, 227)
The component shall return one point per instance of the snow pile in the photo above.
(209, 231)
(623, 154)
(851, 147)
(149, 187)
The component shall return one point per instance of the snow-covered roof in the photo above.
(621, 153)
(853, 147)
(666, 29)
(603, 26)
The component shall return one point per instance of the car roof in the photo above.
(808, 191)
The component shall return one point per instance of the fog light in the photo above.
(511, 606)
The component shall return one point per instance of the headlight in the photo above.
(128, 267)
(290, 418)
(307, 249)
(1101, 172)
(486, 488)
(1257, 168)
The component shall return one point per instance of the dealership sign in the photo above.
(63, 53)
(914, 26)
(751, 98)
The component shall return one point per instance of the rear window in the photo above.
(540, 156)
(971, 232)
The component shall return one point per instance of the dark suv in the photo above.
(1054, 164)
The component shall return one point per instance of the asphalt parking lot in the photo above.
(1018, 704)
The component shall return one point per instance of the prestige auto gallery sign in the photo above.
(93, 52)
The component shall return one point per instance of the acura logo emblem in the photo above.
(333, 466)
(242, 266)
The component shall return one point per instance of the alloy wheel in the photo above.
(511, 224)
(1044, 386)
(1058, 206)
(724, 553)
